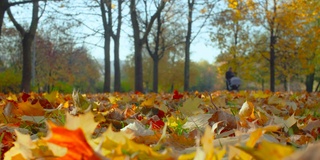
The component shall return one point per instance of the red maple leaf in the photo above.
(156, 125)
(176, 95)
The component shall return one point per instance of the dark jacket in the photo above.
(229, 75)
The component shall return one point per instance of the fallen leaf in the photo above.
(74, 140)
(268, 150)
(29, 109)
(199, 121)
(190, 106)
(286, 124)
(137, 129)
(22, 146)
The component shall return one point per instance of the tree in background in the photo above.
(27, 40)
(206, 76)
(201, 10)
(116, 39)
(106, 15)
(10, 61)
(233, 36)
(60, 64)
(140, 41)
(5, 5)
(158, 51)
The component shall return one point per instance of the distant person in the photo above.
(229, 75)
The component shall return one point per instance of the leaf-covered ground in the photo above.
(217, 125)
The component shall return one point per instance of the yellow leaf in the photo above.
(85, 122)
(149, 102)
(80, 101)
(236, 153)
(268, 150)
(262, 118)
(261, 94)
(255, 135)
(247, 110)
(12, 97)
(188, 156)
(52, 96)
(118, 144)
(22, 145)
(208, 148)
(190, 106)
(113, 100)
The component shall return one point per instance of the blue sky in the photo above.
(201, 49)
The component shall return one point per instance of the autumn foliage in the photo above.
(217, 125)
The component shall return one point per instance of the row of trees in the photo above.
(59, 64)
(265, 40)
(56, 64)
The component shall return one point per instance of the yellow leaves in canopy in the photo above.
(233, 4)
(203, 10)
(113, 6)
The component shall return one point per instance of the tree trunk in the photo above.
(107, 38)
(285, 84)
(26, 67)
(138, 79)
(116, 38)
(138, 70)
(4, 5)
(117, 71)
(107, 78)
(27, 40)
(155, 75)
(138, 42)
(272, 60)
(187, 47)
(309, 82)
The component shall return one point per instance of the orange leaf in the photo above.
(29, 109)
(74, 141)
